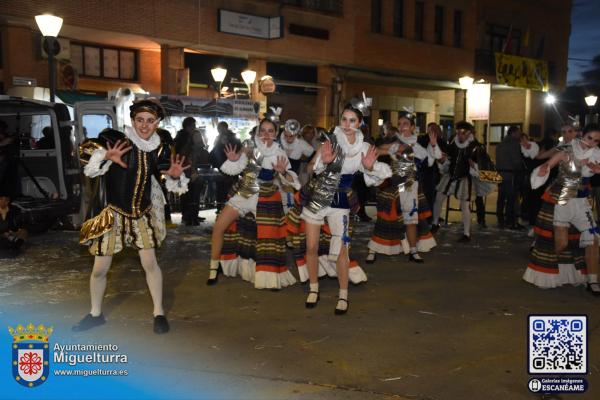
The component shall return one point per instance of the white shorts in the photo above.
(338, 220)
(244, 205)
(409, 204)
(577, 212)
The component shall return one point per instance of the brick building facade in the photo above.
(400, 52)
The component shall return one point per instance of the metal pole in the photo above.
(51, 67)
(464, 104)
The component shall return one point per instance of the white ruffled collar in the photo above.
(288, 146)
(411, 140)
(350, 150)
(145, 145)
(579, 151)
(264, 150)
(465, 143)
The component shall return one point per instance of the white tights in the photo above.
(153, 279)
(440, 198)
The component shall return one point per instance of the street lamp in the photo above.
(50, 25)
(465, 82)
(550, 99)
(249, 77)
(218, 75)
(591, 100)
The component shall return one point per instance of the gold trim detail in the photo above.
(95, 227)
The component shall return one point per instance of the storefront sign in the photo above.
(250, 25)
(244, 109)
(521, 72)
(478, 102)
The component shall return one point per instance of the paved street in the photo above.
(452, 328)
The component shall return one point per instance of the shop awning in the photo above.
(71, 97)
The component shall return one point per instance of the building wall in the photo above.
(547, 21)
(409, 56)
(351, 45)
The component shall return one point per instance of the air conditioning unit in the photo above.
(64, 52)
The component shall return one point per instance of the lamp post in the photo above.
(465, 82)
(591, 102)
(50, 25)
(218, 75)
(249, 77)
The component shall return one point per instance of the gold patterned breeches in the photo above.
(109, 232)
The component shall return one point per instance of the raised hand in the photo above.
(280, 166)
(327, 154)
(543, 169)
(177, 167)
(230, 152)
(432, 138)
(114, 153)
(401, 148)
(368, 160)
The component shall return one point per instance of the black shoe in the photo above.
(88, 322)
(364, 217)
(415, 258)
(161, 325)
(482, 225)
(369, 259)
(201, 219)
(312, 304)
(213, 281)
(516, 227)
(594, 288)
(339, 311)
(434, 228)
(464, 239)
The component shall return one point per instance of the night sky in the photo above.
(585, 37)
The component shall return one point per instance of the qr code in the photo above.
(557, 344)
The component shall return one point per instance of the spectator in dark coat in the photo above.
(217, 158)
(12, 233)
(184, 145)
(510, 164)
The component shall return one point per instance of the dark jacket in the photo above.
(128, 189)
(13, 221)
(217, 155)
(509, 157)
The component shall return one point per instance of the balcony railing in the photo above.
(326, 6)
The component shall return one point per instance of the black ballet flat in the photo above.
(339, 311)
(595, 290)
(311, 304)
(412, 258)
(88, 322)
(161, 325)
(369, 261)
(213, 281)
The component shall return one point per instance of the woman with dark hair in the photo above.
(329, 197)
(401, 204)
(254, 246)
(566, 235)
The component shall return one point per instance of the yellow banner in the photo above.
(522, 72)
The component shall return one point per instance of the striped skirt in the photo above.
(389, 232)
(546, 269)
(254, 247)
(327, 264)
